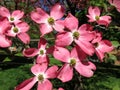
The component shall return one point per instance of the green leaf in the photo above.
(115, 43)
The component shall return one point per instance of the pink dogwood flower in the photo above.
(19, 30)
(101, 46)
(40, 52)
(81, 36)
(94, 16)
(4, 40)
(49, 22)
(116, 4)
(15, 16)
(74, 59)
(42, 74)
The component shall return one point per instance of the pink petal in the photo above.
(39, 16)
(24, 37)
(71, 26)
(59, 25)
(4, 25)
(64, 39)
(42, 59)
(45, 29)
(60, 89)
(105, 46)
(61, 54)
(5, 12)
(86, 46)
(23, 26)
(94, 11)
(57, 11)
(30, 52)
(45, 85)
(38, 68)
(85, 68)
(17, 14)
(42, 43)
(27, 84)
(66, 73)
(52, 72)
(5, 41)
(100, 54)
(76, 52)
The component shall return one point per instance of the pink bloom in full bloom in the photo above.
(19, 30)
(81, 36)
(15, 16)
(48, 22)
(4, 40)
(41, 52)
(74, 59)
(101, 46)
(115, 3)
(94, 16)
(42, 74)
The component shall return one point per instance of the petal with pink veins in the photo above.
(36, 69)
(5, 41)
(39, 16)
(45, 29)
(24, 37)
(5, 12)
(76, 52)
(64, 71)
(42, 59)
(52, 72)
(85, 69)
(59, 25)
(27, 84)
(17, 14)
(57, 11)
(64, 39)
(23, 26)
(45, 85)
(61, 54)
(86, 46)
(71, 22)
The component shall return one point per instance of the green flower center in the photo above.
(72, 62)
(97, 18)
(76, 35)
(41, 52)
(40, 78)
(15, 30)
(96, 45)
(51, 21)
(12, 19)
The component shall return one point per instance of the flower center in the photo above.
(11, 19)
(72, 62)
(76, 35)
(15, 30)
(97, 18)
(96, 45)
(51, 21)
(40, 78)
(41, 52)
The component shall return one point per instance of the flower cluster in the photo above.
(12, 26)
(73, 43)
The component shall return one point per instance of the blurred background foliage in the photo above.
(14, 68)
